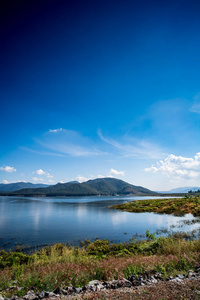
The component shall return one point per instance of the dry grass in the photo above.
(60, 265)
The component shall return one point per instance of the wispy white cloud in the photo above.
(80, 178)
(69, 142)
(72, 143)
(42, 152)
(115, 172)
(8, 169)
(56, 130)
(131, 147)
(40, 172)
(51, 181)
(178, 166)
(7, 182)
(195, 108)
(38, 179)
(49, 175)
(74, 150)
(100, 176)
(196, 104)
(112, 173)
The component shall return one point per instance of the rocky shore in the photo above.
(135, 285)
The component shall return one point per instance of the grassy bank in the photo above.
(176, 206)
(60, 265)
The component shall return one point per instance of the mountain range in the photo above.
(184, 189)
(102, 186)
(10, 187)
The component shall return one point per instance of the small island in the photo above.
(175, 206)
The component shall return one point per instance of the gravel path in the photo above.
(154, 287)
(184, 290)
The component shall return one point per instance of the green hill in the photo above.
(103, 186)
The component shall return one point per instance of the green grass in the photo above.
(175, 206)
(60, 265)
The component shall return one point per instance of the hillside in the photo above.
(10, 187)
(103, 186)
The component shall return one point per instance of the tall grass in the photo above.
(61, 265)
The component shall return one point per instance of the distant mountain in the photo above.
(102, 186)
(10, 187)
(184, 189)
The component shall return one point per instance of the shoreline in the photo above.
(94, 195)
(161, 232)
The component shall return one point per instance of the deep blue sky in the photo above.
(119, 79)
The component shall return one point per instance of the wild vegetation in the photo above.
(175, 206)
(194, 192)
(60, 265)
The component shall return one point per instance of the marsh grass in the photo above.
(60, 265)
(175, 206)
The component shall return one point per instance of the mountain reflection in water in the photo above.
(37, 221)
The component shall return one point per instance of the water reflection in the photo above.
(118, 218)
(51, 220)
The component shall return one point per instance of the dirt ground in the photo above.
(185, 290)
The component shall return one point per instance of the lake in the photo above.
(45, 220)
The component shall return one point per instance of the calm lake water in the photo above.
(41, 220)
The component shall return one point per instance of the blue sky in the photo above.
(100, 88)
